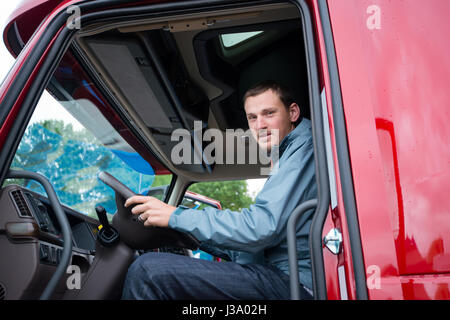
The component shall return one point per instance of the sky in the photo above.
(46, 102)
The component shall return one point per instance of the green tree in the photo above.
(232, 195)
(162, 180)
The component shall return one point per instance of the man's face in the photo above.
(268, 118)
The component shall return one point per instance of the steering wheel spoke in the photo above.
(133, 232)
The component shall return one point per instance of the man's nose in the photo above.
(261, 123)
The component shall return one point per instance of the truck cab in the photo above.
(371, 76)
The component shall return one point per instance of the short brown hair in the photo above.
(282, 91)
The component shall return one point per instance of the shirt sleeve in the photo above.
(258, 227)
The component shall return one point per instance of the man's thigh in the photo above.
(171, 276)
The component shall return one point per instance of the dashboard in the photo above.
(33, 205)
(31, 242)
(31, 245)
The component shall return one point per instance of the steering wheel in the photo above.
(63, 222)
(133, 232)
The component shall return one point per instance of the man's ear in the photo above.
(294, 112)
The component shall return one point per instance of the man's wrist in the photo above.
(175, 213)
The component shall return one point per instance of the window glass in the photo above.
(159, 187)
(233, 195)
(69, 141)
(232, 39)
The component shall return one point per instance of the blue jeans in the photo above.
(166, 276)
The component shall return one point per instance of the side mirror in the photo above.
(190, 199)
(158, 192)
(198, 201)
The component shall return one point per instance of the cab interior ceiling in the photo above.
(169, 79)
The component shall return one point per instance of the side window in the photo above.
(233, 195)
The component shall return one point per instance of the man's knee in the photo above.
(151, 266)
(147, 276)
(135, 281)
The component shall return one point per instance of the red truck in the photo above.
(372, 75)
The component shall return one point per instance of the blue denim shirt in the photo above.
(258, 234)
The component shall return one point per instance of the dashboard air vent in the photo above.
(21, 204)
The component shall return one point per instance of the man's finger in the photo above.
(140, 208)
(147, 223)
(136, 199)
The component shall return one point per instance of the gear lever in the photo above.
(108, 235)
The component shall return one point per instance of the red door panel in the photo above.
(394, 71)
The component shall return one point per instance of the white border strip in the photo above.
(342, 283)
(330, 165)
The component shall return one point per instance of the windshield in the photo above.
(69, 141)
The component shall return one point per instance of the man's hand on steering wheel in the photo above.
(150, 210)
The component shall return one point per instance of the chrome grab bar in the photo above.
(292, 245)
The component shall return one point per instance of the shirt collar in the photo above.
(291, 136)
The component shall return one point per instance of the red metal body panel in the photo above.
(394, 76)
(28, 15)
(335, 219)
